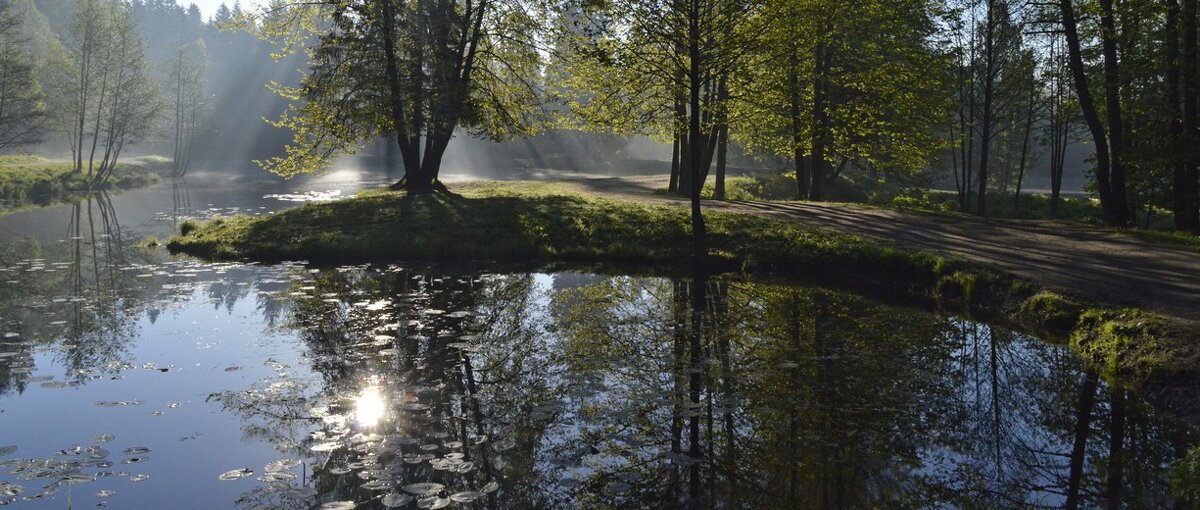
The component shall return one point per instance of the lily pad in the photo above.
(396, 499)
(466, 496)
(423, 488)
(433, 503)
(236, 474)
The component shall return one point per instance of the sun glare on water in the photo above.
(369, 407)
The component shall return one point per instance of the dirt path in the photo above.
(1087, 262)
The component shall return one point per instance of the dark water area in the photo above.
(130, 378)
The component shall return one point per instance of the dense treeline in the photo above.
(911, 93)
(96, 79)
(908, 92)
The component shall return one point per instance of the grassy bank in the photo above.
(26, 180)
(536, 224)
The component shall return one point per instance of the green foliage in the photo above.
(411, 71)
(1185, 478)
(1052, 312)
(22, 110)
(766, 187)
(886, 92)
(756, 187)
(1125, 344)
(186, 227)
(1000, 205)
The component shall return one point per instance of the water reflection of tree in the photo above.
(78, 294)
(811, 398)
(632, 393)
(461, 366)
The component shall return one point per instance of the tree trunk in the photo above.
(1191, 121)
(1090, 115)
(989, 87)
(673, 186)
(1083, 424)
(722, 153)
(802, 177)
(412, 163)
(1025, 143)
(695, 82)
(1116, 444)
(820, 131)
(1120, 212)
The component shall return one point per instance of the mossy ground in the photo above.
(30, 180)
(533, 225)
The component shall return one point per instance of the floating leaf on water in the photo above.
(491, 486)
(236, 474)
(466, 496)
(433, 503)
(136, 450)
(135, 460)
(103, 438)
(423, 488)
(339, 470)
(7, 450)
(326, 447)
(339, 505)
(139, 478)
(104, 493)
(10, 489)
(281, 465)
(233, 368)
(396, 499)
(377, 485)
(280, 476)
(76, 479)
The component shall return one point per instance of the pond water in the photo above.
(133, 379)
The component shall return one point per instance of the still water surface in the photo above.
(133, 379)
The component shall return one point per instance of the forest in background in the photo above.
(159, 77)
(981, 97)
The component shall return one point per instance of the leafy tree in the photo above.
(106, 98)
(188, 102)
(830, 95)
(21, 104)
(661, 64)
(414, 70)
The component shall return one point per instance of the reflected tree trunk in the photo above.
(1083, 423)
(1116, 443)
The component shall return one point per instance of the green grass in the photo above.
(535, 223)
(33, 180)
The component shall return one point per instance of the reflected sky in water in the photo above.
(131, 379)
